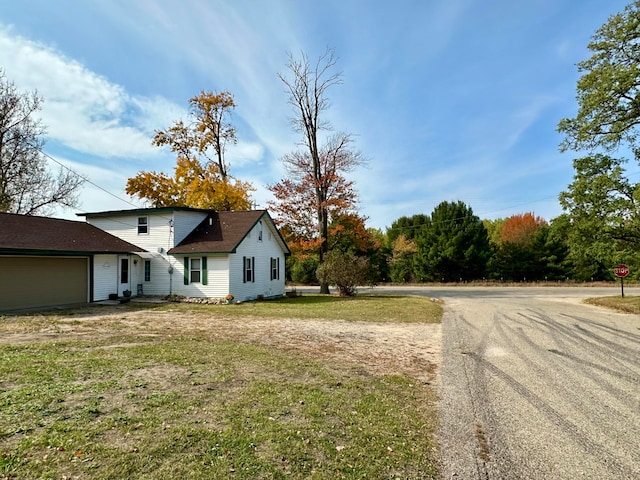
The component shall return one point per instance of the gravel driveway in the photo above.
(536, 385)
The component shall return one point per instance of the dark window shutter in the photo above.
(244, 269)
(204, 270)
(186, 270)
(253, 269)
(278, 269)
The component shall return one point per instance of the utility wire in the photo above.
(169, 219)
(87, 179)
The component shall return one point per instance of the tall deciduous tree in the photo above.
(403, 251)
(315, 187)
(201, 176)
(494, 230)
(602, 203)
(604, 211)
(608, 92)
(26, 185)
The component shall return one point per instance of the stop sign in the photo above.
(621, 270)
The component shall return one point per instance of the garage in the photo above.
(33, 282)
(47, 262)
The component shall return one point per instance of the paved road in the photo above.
(536, 385)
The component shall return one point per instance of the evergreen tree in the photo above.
(453, 246)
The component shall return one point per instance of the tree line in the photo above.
(452, 244)
(316, 203)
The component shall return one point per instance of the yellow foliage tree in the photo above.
(201, 175)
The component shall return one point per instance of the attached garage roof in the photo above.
(29, 234)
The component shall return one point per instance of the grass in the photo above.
(369, 308)
(621, 304)
(189, 405)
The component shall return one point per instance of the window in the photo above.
(195, 270)
(147, 270)
(143, 225)
(260, 231)
(249, 266)
(275, 269)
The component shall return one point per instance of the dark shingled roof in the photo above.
(222, 232)
(23, 234)
(145, 211)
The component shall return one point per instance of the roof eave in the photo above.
(201, 252)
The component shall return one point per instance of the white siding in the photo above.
(217, 278)
(161, 280)
(160, 233)
(105, 276)
(262, 250)
(185, 222)
(165, 229)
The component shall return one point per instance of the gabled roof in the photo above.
(30, 234)
(222, 232)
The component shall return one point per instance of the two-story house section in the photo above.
(156, 230)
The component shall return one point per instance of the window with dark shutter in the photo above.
(248, 269)
(204, 271)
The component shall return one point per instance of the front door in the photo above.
(124, 280)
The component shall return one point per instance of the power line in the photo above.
(169, 219)
(451, 220)
(87, 179)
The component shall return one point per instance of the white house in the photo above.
(197, 253)
(157, 251)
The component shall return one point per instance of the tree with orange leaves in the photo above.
(521, 229)
(529, 250)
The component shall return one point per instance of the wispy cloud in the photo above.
(82, 110)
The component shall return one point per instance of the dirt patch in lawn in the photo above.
(411, 349)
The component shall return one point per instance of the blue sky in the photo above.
(446, 99)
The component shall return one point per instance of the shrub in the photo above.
(345, 271)
(304, 271)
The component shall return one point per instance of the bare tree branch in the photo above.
(26, 185)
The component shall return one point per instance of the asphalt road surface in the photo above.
(535, 385)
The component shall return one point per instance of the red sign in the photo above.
(621, 270)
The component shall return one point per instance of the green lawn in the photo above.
(369, 308)
(626, 304)
(117, 404)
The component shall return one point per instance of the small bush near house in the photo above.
(344, 271)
